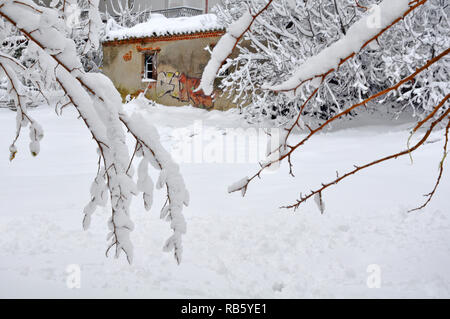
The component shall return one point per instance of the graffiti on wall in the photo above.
(182, 87)
(128, 56)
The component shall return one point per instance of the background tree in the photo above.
(127, 13)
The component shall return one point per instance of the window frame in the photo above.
(153, 56)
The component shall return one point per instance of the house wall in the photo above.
(180, 63)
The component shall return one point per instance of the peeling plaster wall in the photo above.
(180, 62)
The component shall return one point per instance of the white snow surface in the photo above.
(158, 25)
(234, 247)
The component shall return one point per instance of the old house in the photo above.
(164, 57)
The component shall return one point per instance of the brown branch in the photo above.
(161, 167)
(339, 115)
(413, 5)
(429, 116)
(16, 92)
(238, 39)
(27, 5)
(88, 41)
(360, 6)
(441, 171)
(37, 84)
(19, 105)
(302, 108)
(101, 146)
(360, 168)
(132, 157)
(39, 44)
(324, 75)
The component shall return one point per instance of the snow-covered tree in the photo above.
(288, 32)
(329, 59)
(99, 105)
(127, 13)
(78, 17)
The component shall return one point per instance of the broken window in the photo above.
(150, 66)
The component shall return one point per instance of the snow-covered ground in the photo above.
(235, 247)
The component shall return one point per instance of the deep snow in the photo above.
(234, 247)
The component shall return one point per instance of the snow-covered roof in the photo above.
(158, 26)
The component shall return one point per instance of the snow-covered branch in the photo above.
(408, 151)
(152, 152)
(12, 68)
(286, 151)
(226, 46)
(368, 29)
(100, 107)
(332, 58)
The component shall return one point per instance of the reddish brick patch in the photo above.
(128, 56)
